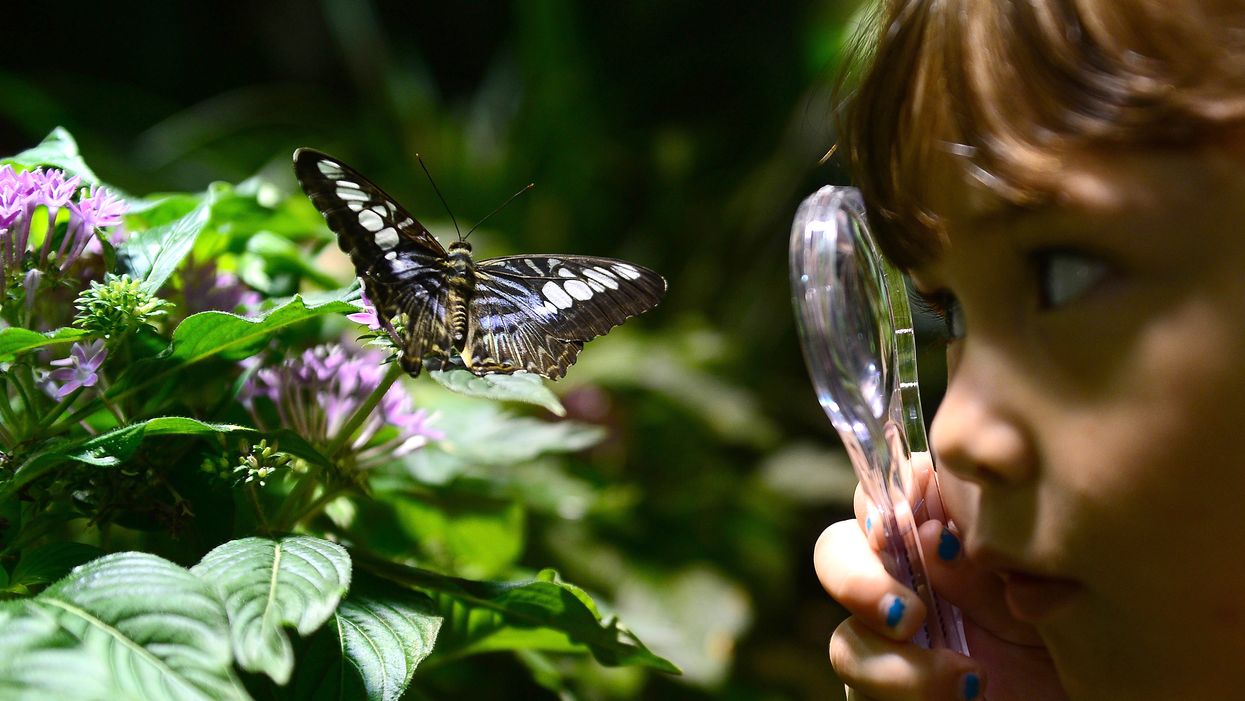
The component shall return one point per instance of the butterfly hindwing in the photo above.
(401, 263)
(534, 312)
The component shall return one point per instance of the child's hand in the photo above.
(870, 650)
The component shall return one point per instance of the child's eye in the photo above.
(946, 307)
(1065, 276)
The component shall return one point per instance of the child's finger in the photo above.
(977, 593)
(852, 573)
(876, 667)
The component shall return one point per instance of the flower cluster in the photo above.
(22, 193)
(117, 306)
(317, 393)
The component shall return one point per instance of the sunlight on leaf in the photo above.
(519, 387)
(269, 585)
(140, 626)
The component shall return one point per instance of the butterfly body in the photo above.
(510, 314)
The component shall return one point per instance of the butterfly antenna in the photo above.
(499, 208)
(441, 197)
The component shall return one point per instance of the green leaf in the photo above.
(134, 625)
(484, 434)
(118, 445)
(519, 387)
(48, 563)
(40, 660)
(470, 536)
(235, 337)
(232, 337)
(59, 150)
(155, 253)
(379, 635)
(543, 613)
(268, 585)
(14, 340)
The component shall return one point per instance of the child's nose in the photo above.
(979, 432)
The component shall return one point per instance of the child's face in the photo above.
(1089, 434)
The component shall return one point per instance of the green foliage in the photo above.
(175, 439)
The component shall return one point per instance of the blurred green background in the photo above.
(679, 135)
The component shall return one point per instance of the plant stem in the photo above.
(364, 410)
(57, 410)
(294, 503)
(314, 508)
(77, 415)
(18, 375)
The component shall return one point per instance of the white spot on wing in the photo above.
(565, 272)
(347, 183)
(387, 238)
(371, 220)
(329, 168)
(355, 206)
(349, 194)
(380, 209)
(577, 289)
(627, 271)
(602, 276)
(557, 295)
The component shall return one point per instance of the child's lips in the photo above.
(1032, 598)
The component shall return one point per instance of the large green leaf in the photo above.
(155, 253)
(59, 150)
(133, 625)
(519, 387)
(483, 434)
(41, 660)
(14, 339)
(541, 613)
(379, 635)
(269, 585)
(235, 337)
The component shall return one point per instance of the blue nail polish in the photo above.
(971, 686)
(894, 611)
(948, 546)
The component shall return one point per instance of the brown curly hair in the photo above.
(1001, 90)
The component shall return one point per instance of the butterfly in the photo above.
(528, 313)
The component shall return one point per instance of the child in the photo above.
(1065, 182)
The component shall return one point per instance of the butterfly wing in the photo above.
(535, 312)
(402, 264)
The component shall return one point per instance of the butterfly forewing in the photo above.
(402, 265)
(530, 313)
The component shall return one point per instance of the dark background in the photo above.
(680, 135)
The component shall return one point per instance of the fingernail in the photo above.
(970, 686)
(948, 545)
(893, 609)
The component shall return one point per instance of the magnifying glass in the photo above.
(856, 330)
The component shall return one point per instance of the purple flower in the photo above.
(205, 288)
(80, 369)
(318, 392)
(366, 315)
(371, 318)
(22, 192)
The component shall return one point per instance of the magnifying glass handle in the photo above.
(856, 332)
